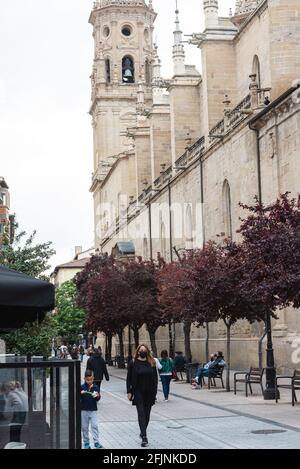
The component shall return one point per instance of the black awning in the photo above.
(23, 299)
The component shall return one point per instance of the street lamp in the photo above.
(270, 393)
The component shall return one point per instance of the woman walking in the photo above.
(166, 373)
(142, 384)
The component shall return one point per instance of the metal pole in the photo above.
(78, 409)
(260, 352)
(270, 391)
(72, 409)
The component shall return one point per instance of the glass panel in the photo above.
(14, 405)
(64, 407)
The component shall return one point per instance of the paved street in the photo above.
(186, 423)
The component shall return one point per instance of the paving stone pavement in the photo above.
(184, 423)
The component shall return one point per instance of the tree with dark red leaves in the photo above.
(176, 298)
(220, 290)
(142, 290)
(202, 264)
(271, 242)
(107, 303)
(92, 270)
(153, 318)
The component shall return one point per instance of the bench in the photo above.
(254, 376)
(219, 375)
(294, 385)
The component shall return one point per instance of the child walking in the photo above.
(90, 396)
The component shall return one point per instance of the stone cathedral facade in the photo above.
(174, 157)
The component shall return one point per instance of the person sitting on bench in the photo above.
(211, 369)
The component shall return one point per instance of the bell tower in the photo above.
(123, 55)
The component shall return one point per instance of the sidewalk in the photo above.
(281, 414)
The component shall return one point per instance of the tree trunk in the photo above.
(129, 344)
(228, 326)
(109, 349)
(121, 363)
(207, 342)
(136, 334)
(171, 343)
(153, 342)
(187, 325)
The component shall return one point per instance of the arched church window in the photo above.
(227, 209)
(145, 248)
(256, 70)
(163, 241)
(107, 71)
(148, 74)
(128, 70)
(188, 228)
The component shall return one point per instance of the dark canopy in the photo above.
(23, 299)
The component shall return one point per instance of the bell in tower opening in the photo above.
(128, 70)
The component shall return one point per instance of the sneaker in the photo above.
(98, 446)
(145, 442)
(87, 446)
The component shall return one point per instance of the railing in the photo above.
(191, 153)
(104, 3)
(232, 118)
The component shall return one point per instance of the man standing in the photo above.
(98, 366)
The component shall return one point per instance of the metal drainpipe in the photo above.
(258, 154)
(170, 222)
(150, 231)
(202, 199)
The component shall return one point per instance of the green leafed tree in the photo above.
(35, 339)
(69, 318)
(26, 255)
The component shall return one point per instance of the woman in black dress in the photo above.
(142, 385)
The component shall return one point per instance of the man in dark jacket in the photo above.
(98, 366)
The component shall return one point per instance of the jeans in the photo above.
(144, 411)
(201, 373)
(87, 419)
(166, 381)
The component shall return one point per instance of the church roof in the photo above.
(125, 248)
(244, 7)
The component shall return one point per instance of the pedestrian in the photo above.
(142, 384)
(81, 352)
(89, 397)
(98, 366)
(74, 353)
(63, 351)
(211, 369)
(166, 373)
(16, 405)
(179, 364)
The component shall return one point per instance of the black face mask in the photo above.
(143, 354)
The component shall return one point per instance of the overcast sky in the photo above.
(46, 53)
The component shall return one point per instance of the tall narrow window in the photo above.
(256, 70)
(145, 248)
(128, 69)
(227, 209)
(163, 241)
(188, 228)
(148, 74)
(107, 71)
